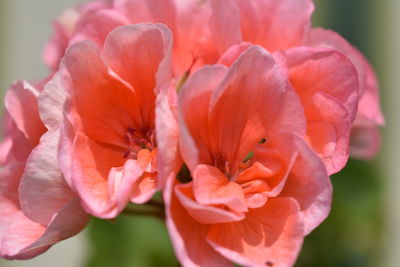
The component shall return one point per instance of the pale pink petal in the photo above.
(167, 134)
(21, 104)
(21, 238)
(309, 184)
(369, 106)
(269, 236)
(328, 130)
(212, 187)
(321, 70)
(51, 102)
(43, 190)
(275, 25)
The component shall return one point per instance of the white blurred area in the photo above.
(25, 26)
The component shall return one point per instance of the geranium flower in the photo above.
(252, 189)
(108, 150)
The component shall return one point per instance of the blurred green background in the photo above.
(361, 229)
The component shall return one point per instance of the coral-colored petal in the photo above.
(189, 236)
(93, 178)
(167, 134)
(212, 187)
(275, 25)
(194, 101)
(273, 161)
(309, 184)
(203, 213)
(269, 236)
(135, 53)
(103, 114)
(255, 85)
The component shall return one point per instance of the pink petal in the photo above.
(369, 105)
(270, 235)
(95, 26)
(275, 25)
(328, 130)
(148, 11)
(310, 185)
(102, 178)
(313, 70)
(43, 191)
(21, 104)
(21, 238)
(232, 53)
(51, 102)
(212, 187)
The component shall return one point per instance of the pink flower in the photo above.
(37, 208)
(108, 150)
(204, 31)
(255, 188)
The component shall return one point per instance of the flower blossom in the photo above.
(237, 110)
(253, 188)
(108, 150)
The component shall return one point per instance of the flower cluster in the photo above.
(237, 110)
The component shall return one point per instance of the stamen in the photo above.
(137, 140)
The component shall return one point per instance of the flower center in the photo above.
(138, 140)
(222, 164)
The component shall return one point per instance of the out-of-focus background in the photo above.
(363, 228)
